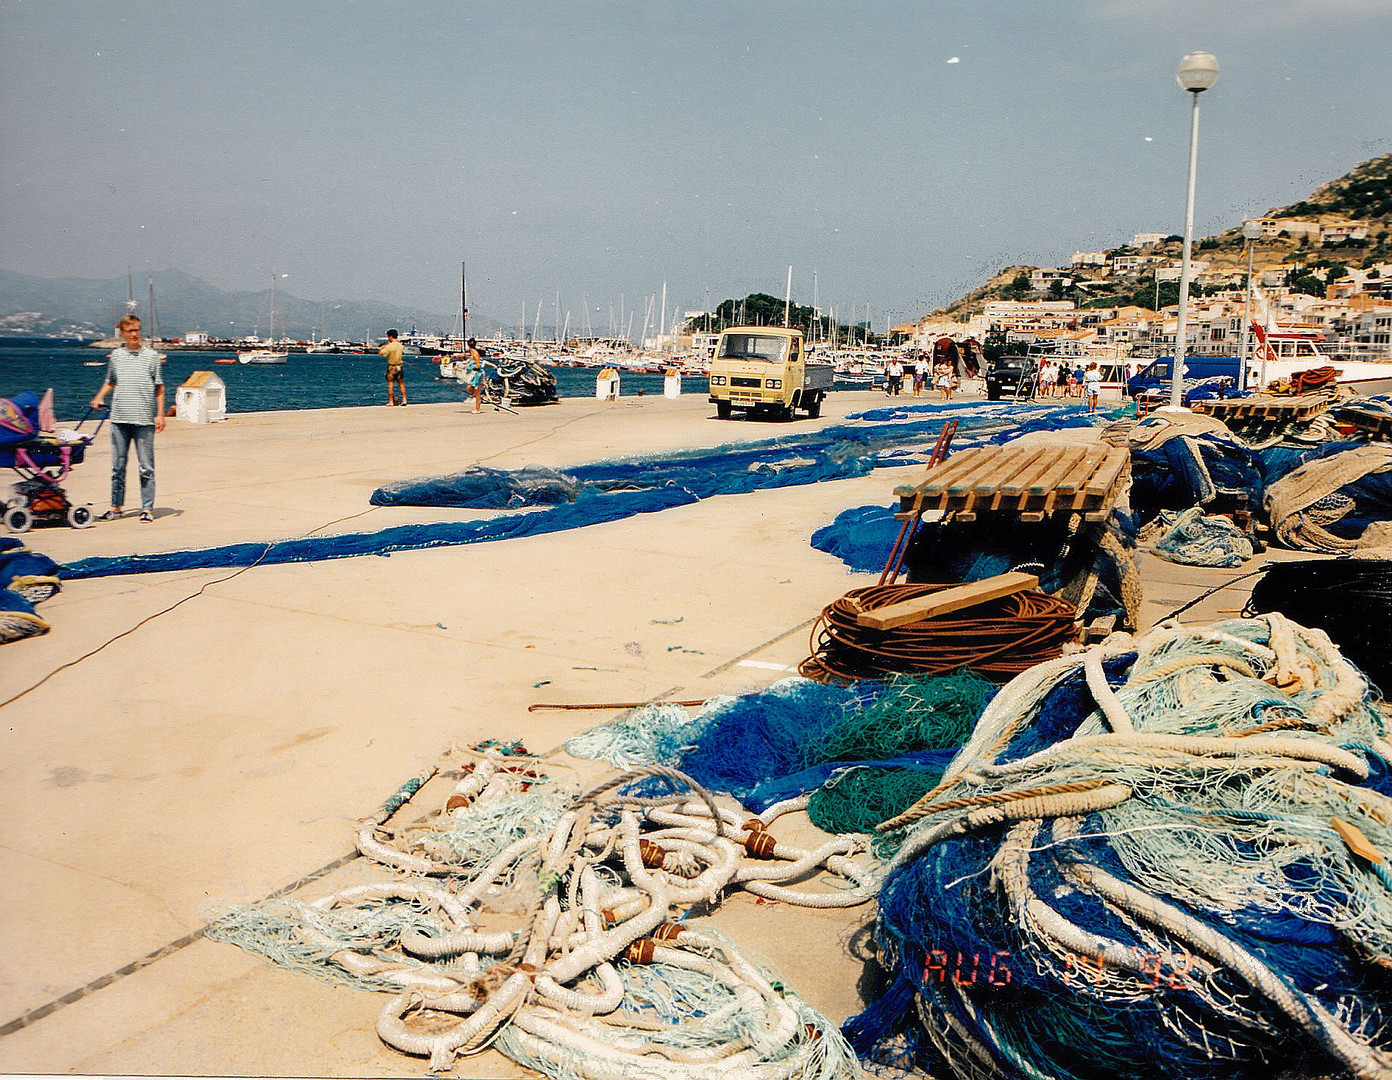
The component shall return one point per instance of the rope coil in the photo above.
(998, 639)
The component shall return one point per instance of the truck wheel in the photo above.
(992, 392)
(722, 410)
(814, 406)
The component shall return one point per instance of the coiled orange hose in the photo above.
(998, 639)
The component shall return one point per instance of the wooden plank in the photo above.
(1009, 465)
(1023, 467)
(1091, 460)
(946, 600)
(1066, 463)
(959, 464)
(953, 465)
(1102, 480)
(1027, 477)
(1032, 515)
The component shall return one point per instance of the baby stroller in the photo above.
(42, 459)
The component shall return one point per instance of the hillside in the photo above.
(88, 308)
(1364, 195)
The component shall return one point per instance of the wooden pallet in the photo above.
(1030, 481)
(1376, 425)
(1265, 407)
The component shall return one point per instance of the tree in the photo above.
(1056, 288)
(1145, 294)
(1299, 279)
(1017, 289)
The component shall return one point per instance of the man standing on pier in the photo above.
(392, 351)
(137, 412)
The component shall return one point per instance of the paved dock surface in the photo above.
(186, 741)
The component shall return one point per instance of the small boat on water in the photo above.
(266, 353)
(261, 356)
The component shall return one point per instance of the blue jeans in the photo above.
(143, 435)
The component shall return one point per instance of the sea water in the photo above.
(304, 381)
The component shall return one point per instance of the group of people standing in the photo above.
(941, 376)
(393, 352)
(1060, 379)
(943, 367)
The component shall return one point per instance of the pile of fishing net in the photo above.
(547, 923)
(27, 578)
(521, 382)
(1161, 857)
(1188, 460)
(1338, 502)
(481, 488)
(861, 753)
(1194, 538)
(862, 537)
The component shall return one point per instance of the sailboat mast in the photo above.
(463, 304)
(155, 334)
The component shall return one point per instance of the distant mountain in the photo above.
(88, 308)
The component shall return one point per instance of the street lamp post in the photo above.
(1197, 72)
(1250, 231)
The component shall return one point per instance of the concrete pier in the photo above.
(186, 741)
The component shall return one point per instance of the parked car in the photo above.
(1013, 374)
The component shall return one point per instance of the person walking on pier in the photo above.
(137, 413)
(392, 350)
(473, 374)
(1092, 386)
(894, 377)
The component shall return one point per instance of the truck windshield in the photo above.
(753, 347)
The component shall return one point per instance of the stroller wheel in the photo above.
(18, 519)
(80, 517)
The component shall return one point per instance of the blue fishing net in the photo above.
(861, 537)
(1191, 471)
(976, 983)
(605, 491)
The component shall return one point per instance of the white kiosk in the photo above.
(201, 399)
(607, 384)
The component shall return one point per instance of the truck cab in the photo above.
(764, 369)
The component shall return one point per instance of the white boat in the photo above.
(267, 354)
(261, 356)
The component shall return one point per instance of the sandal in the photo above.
(110, 515)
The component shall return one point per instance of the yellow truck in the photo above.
(765, 369)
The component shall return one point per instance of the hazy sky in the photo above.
(902, 150)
